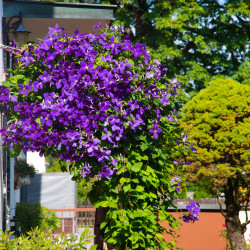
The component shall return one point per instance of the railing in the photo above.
(84, 203)
(200, 201)
(75, 220)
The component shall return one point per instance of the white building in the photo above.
(37, 161)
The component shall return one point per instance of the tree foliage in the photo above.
(218, 119)
(198, 39)
(53, 164)
(242, 75)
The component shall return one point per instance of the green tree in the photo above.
(53, 164)
(243, 73)
(200, 39)
(218, 119)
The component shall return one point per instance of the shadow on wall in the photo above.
(52, 190)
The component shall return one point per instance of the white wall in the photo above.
(243, 219)
(37, 161)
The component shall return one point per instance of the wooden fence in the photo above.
(75, 220)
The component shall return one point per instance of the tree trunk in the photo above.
(235, 229)
(99, 217)
(236, 234)
(143, 25)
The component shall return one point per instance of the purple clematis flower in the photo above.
(155, 131)
(26, 58)
(194, 209)
(45, 77)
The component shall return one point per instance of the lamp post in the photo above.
(20, 33)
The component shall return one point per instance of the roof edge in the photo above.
(87, 5)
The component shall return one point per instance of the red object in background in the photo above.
(204, 234)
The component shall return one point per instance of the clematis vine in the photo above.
(101, 105)
(97, 91)
(193, 208)
(175, 183)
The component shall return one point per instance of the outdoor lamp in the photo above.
(20, 33)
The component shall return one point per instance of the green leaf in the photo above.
(135, 180)
(145, 158)
(121, 170)
(153, 195)
(124, 180)
(142, 197)
(137, 167)
(10, 71)
(126, 188)
(139, 188)
(93, 247)
(101, 204)
(162, 216)
(130, 215)
(144, 146)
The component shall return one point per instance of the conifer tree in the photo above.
(218, 119)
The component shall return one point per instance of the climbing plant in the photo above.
(101, 105)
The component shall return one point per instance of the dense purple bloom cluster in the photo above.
(194, 209)
(4, 98)
(86, 94)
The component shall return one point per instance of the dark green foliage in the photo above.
(139, 195)
(198, 39)
(34, 215)
(243, 73)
